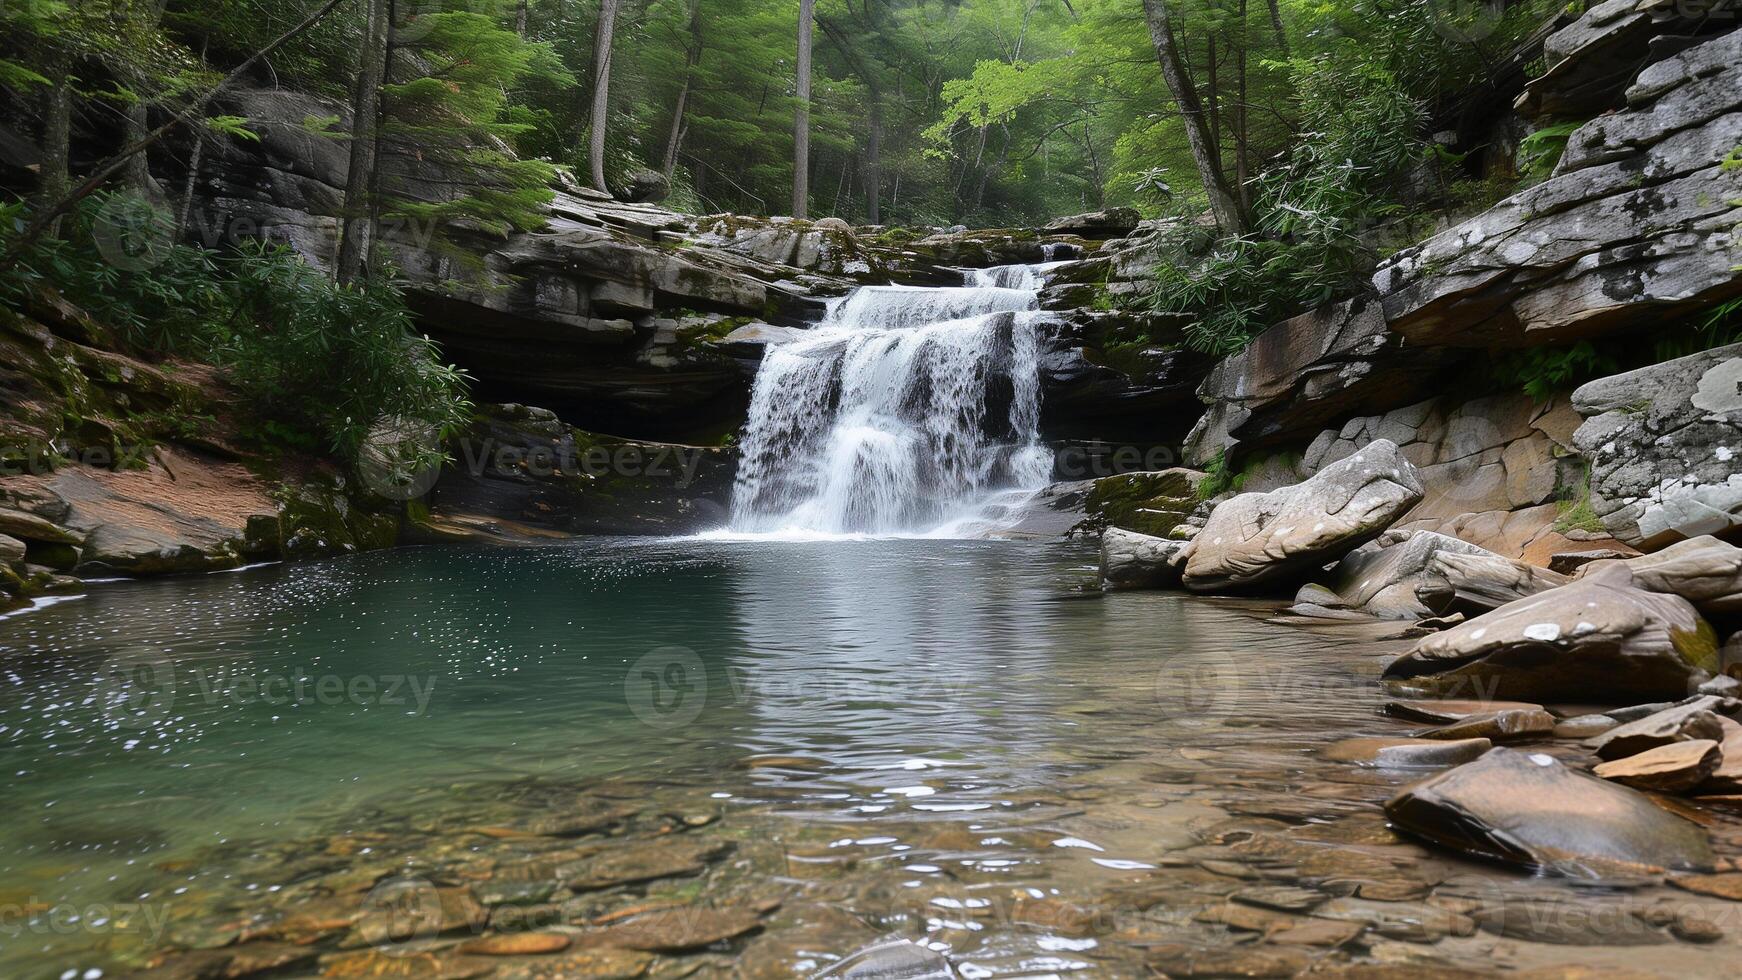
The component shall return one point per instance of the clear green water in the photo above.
(905, 730)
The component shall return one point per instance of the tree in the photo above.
(602, 42)
(1205, 151)
(692, 56)
(357, 227)
(801, 129)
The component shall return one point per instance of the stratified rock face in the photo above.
(1665, 446)
(520, 474)
(1637, 225)
(1472, 584)
(1138, 561)
(1151, 502)
(1591, 60)
(1256, 538)
(1703, 570)
(1597, 639)
(1306, 372)
(1528, 809)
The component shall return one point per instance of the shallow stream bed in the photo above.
(737, 758)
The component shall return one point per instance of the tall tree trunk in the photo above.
(1276, 26)
(1204, 154)
(601, 90)
(1242, 137)
(1213, 99)
(356, 232)
(801, 127)
(55, 173)
(520, 19)
(691, 57)
(136, 123)
(874, 161)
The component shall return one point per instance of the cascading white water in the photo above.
(901, 413)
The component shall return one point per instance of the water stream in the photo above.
(902, 413)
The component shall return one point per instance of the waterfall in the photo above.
(901, 413)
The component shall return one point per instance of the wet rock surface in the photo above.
(1529, 809)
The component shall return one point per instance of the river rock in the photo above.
(1727, 778)
(666, 857)
(1669, 768)
(1529, 809)
(1568, 562)
(593, 964)
(675, 930)
(1584, 726)
(895, 959)
(1447, 710)
(1663, 442)
(1385, 578)
(1599, 638)
(1257, 538)
(1703, 570)
(1502, 725)
(1407, 753)
(1459, 581)
(1111, 223)
(1137, 561)
(1693, 721)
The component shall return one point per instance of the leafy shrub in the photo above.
(1540, 151)
(314, 358)
(1542, 372)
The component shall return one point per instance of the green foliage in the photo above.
(1543, 372)
(1219, 478)
(1541, 150)
(314, 359)
(1575, 510)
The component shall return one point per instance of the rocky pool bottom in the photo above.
(751, 759)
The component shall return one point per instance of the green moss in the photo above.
(1148, 503)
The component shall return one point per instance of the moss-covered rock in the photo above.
(1151, 502)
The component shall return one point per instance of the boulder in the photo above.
(1703, 570)
(1458, 581)
(11, 550)
(1727, 777)
(1502, 725)
(644, 186)
(1111, 223)
(1446, 710)
(1590, 61)
(1529, 809)
(1598, 639)
(1407, 753)
(1383, 578)
(1693, 720)
(1138, 561)
(1568, 562)
(1663, 444)
(1635, 228)
(1669, 768)
(1255, 539)
(1151, 502)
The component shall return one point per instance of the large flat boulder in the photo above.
(1665, 447)
(1597, 639)
(1256, 539)
(1635, 227)
(1469, 583)
(1529, 809)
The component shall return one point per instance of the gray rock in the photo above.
(1505, 724)
(1703, 570)
(1529, 809)
(1111, 223)
(11, 550)
(1568, 562)
(646, 186)
(1407, 753)
(1597, 639)
(894, 959)
(1473, 584)
(1695, 720)
(1138, 561)
(1383, 579)
(1258, 538)
(1636, 226)
(1665, 447)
